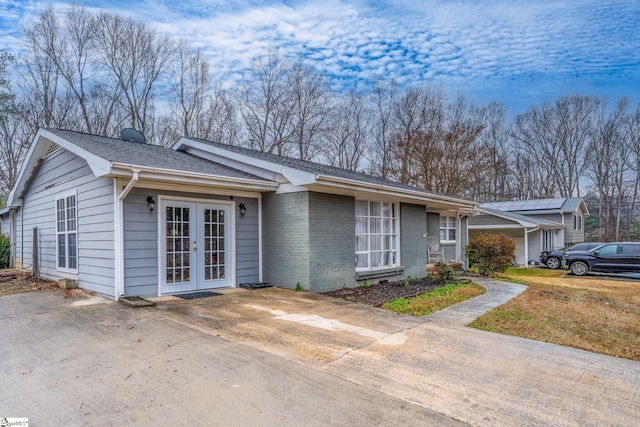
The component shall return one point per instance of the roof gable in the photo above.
(113, 157)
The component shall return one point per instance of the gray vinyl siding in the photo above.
(571, 236)
(286, 248)
(413, 247)
(60, 173)
(332, 241)
(141, 240)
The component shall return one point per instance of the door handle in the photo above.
(195, 245)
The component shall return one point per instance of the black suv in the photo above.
(611, 257)
(553, 259)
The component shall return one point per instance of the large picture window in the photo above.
(67, 232)
(447, 229)
(376, 235)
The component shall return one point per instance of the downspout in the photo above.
(119, 231)
(526, 244)
(459, 237)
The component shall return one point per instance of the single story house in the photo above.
(534, 225)
(122, 217)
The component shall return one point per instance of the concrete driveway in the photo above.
(276, 357)
(434, 362)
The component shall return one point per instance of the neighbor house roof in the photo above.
(305, 173)
(524, 221)
(540, 206)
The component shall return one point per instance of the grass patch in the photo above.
(595, 314)
(435, 300)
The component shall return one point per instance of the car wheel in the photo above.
(553, 263)
(579, 268)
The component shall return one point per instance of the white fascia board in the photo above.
(245, 163)
(170, 175)
(524, 224)
(496, 227)
(462, 206)
(39, 147)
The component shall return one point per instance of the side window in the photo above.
(631, 249)
(447, 229)
(67, 232)
(608, 250)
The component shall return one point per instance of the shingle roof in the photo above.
(572, 204)
(559, 204)
(319, 169)
(147, 155)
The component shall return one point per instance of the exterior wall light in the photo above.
(243, 209)
(151, 203)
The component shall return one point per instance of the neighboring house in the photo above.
(534, 225)
(127, 218)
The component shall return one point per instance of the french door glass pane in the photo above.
(361, 208)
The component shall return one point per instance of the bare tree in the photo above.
(47, 100)
(347, 139)
(311, 104)
(383, 99)
(266, 106)
(418, 116)
(558, 135)
(15, 133)
(493, 182)
(136, 57)
(449, 157)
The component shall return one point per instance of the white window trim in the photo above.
(440, 228)
(396, 209)
(57, 233)
(578, 222)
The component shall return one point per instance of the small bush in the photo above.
(446, 273)
(5, 251)
(490, 253)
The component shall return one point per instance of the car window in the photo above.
(608, 250)
(630, 249)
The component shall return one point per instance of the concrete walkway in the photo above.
(462, 314)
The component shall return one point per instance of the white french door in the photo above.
(195, 250)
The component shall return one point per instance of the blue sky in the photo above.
(521, 53)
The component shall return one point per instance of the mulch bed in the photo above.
(379, 294)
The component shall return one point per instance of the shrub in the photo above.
(5, 251)
(446, 273)
(490, 253)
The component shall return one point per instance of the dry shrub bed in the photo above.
(595, 314)
(377, 294)
(15, 282)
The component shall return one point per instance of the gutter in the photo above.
(204, 176)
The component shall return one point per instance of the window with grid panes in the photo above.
(67, 232)
(447, 229)
(376, 235)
